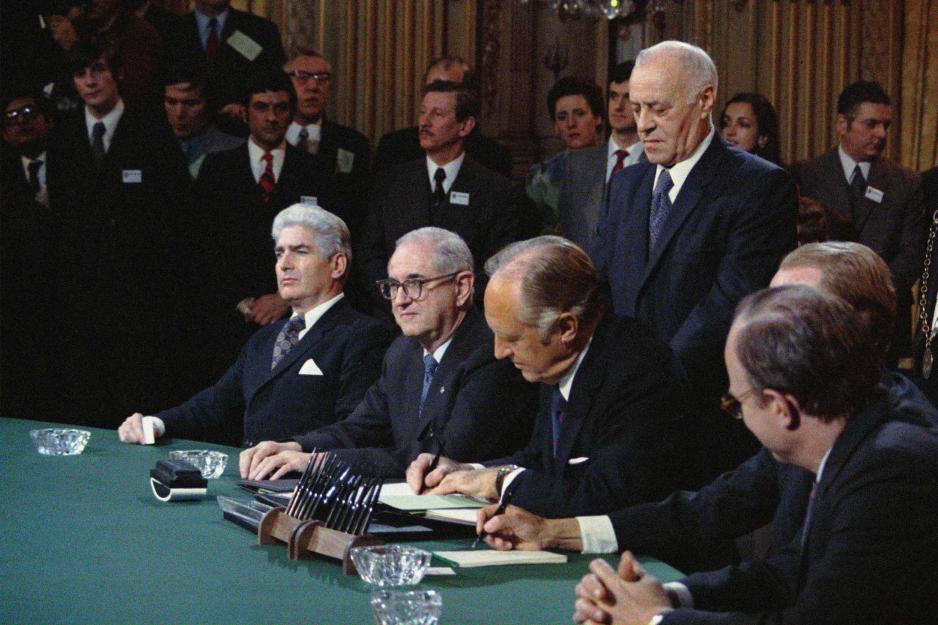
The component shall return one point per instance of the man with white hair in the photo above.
(441, 389)
(692, 231)
(296, 374)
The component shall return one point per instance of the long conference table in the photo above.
(85, 541)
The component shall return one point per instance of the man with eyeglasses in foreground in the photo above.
(441, 390)
(805, 376)
(696, 530)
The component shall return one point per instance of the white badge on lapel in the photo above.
(245, 46)
(458, 197)
(344, 161)
(310, 368)
(874, 194)
(132, 176)
(310, 200)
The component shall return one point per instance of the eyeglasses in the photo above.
(23, 114)
(732, 405)
(321, 78)
(413, 287)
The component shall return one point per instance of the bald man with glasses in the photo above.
(441, 390)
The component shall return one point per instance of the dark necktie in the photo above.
(302, 141)
(439, 195)
(620, 162)
(211, 42)
(660, 208)
(288, 338)
(267, 180)
(857, 189)
(429, 368)
(32, 179)
(806, 531)
(558, 412)
(97, 142)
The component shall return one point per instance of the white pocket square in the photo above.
(579, 460)
(310, 368)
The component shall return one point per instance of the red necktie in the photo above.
(620, 161)
(211, 42)
(267, 180)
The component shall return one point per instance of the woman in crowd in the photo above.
(749, 122)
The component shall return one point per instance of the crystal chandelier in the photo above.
(575, 9)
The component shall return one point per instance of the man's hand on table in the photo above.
(132, 430)
(628, 596)
(468, 481)
(516, 528)
(419, 478)
(273, 459)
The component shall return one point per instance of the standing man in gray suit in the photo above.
(588, 171)
(883, 200)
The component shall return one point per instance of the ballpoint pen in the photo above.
(502, 504)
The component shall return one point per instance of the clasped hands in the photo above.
(628, 596)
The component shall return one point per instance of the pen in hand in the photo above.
(502, 504)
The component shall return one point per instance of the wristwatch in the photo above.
(503, 472)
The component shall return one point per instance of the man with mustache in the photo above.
(882, 199)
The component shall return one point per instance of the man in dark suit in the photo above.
(696, 530)
(611, 408)
(342, 152)
(880, 198)
(27, 258)
(586, 173)
(804, 377)
(232, 46)
(187, 112)
(444, 188)
(119, 187)
(293, 375)
(440, 388)
(241, 190)
(402, 146)
(690, 232)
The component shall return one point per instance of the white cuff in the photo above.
(679, 594)
(509, 479)
(476, 465)
(153, 428)
(597, 534)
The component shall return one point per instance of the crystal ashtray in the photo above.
(60, 441)
(210, 463)
(391, 565)
(407, 607)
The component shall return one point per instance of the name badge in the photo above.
(458, 197)
(872, 193)
(132, 176)
(244, 45)
(310, 200)
(344, 160)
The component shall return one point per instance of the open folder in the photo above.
(490, 557)
(401, 497)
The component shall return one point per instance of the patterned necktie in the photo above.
(620, 162)
(439, 195)
(211, 42)
(32, 179)
(97, 142)
(857, 189)
(660, 208)
(267, 180)
(429, 368)
(558, 412)
(289, 336)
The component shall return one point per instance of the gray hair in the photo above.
(696, 65)
(451, 252)
(556, 276)
(330, 232)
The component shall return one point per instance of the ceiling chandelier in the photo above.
(575, 9)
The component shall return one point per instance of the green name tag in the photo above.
(344, 161)
(246, 47)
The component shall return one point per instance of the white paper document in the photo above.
(490, 557)
(400, 497)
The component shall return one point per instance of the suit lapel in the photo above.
(833, 175)
(586, 383)
(633, 233)
(867, 206)
(438, 393)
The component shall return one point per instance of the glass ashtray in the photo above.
(407, 607)
(210, 463)
(60, 441)
(391, 565)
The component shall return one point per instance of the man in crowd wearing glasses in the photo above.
(441, 389)
(341, 151)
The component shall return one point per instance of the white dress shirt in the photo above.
(258, 164)
(451, 169)
(110, 123)
(634, 152)
(40, 173)
(849, 165)
(313, 130)
(680, 171)
(202, 20)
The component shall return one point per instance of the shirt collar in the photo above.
(439, 351)
(849, 165)
(316, 312)
(110, 121)
(680, 171)
(613, 146)
(566, 382)
(451, 169)
(202, 21)
(293, 132)
(820, 467)
(256, 152)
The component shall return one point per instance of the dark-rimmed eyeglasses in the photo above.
(23, 114)
(321, 78)
(732, 405)
(413, 287)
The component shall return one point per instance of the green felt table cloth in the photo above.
(85, 541)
